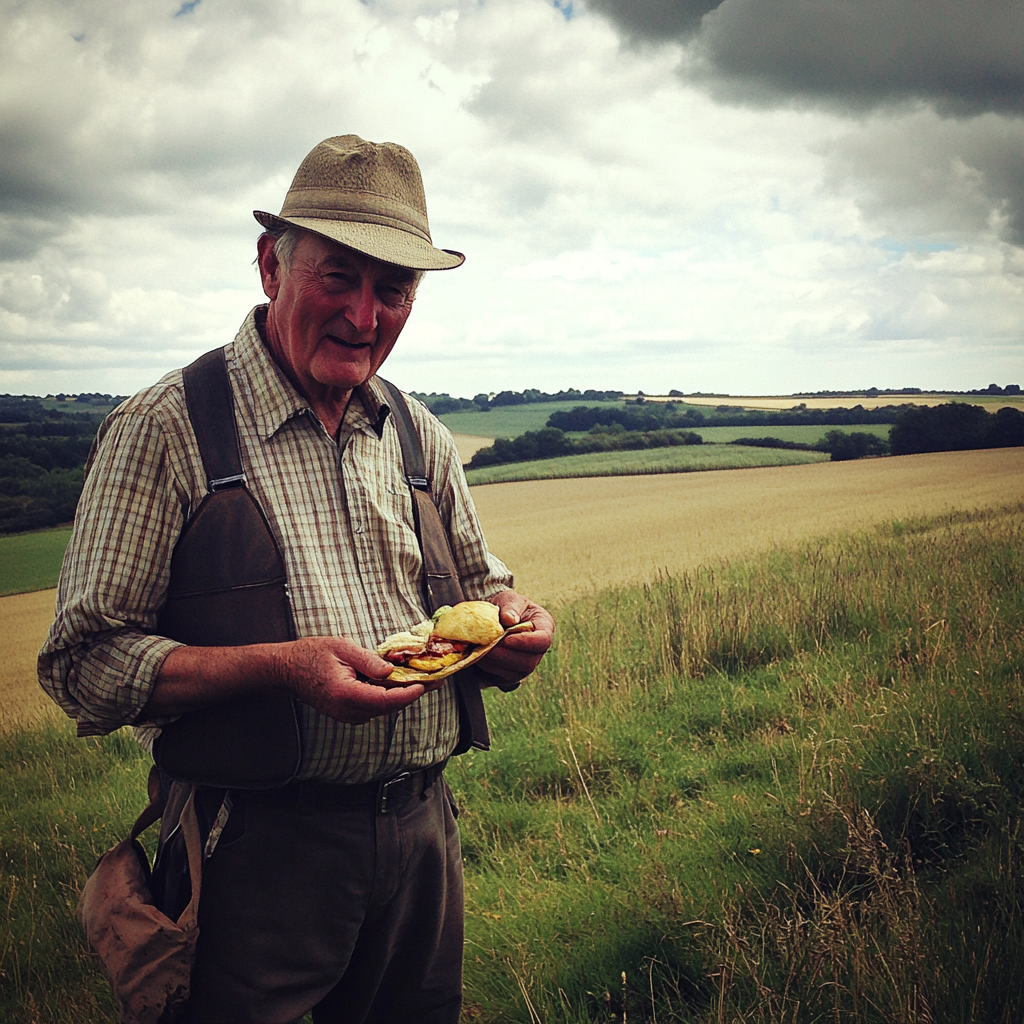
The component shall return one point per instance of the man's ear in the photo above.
(269, 264)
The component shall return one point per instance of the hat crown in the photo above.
(367, 196)
(346, 176)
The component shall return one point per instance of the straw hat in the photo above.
(367, 196)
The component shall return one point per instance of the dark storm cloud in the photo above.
(918, 175)
(964, 58)
(655, 20)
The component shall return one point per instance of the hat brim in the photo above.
(387, 244)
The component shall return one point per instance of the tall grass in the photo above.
(63, 801)
(780, 791)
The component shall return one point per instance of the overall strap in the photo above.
(211, 409)
(441, 577)
(227, 587)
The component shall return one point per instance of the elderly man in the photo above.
(318, 895)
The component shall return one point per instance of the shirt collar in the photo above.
(276, 400)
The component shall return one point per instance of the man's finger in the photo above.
(362, 701)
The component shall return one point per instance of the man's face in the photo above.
(335, 314)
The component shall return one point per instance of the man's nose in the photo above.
(362, 308)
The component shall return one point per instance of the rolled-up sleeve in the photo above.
(100, 660)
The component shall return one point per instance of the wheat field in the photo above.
(24, 619)
(991, 402)
(566, 538)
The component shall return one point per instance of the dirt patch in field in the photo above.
(567, 537)
(24, 620)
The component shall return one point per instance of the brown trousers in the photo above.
(352, 913)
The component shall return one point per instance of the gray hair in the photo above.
(288, 236)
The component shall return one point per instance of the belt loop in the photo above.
(305, 799)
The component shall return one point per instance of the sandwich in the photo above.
(454, 638)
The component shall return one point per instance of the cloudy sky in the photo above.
(751, 197)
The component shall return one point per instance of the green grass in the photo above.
(63, 801)
(512, 420)
(686, 459)
(788, 790)
(783, 791)
(31, 561)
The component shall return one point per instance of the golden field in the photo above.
(568, 537)
(24, 620)
(468, 445)
(565, 538)
(771, 402)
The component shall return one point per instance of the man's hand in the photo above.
(331, 674)
(519, 654)
(341, 679)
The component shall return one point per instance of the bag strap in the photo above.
(211, 410)
(153, 812)
(188, 918)
(440, 575)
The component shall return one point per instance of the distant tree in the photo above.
(856, 445)
(955, 426)
(1007, 429)
(508, 398)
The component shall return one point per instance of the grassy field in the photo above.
(787, 790)
(686, 459)
(469, 444)
(31, 561)
(779, 790)
(510, 420)
(513, 420)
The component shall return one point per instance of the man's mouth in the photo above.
(348, 344)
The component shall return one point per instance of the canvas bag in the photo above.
(147, 956)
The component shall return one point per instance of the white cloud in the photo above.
(622, 228)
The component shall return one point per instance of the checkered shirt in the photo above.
(342, 513)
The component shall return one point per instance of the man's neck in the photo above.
(329, 404)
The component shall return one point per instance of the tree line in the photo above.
(444, 403)
(638, 415)
(42, 462)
